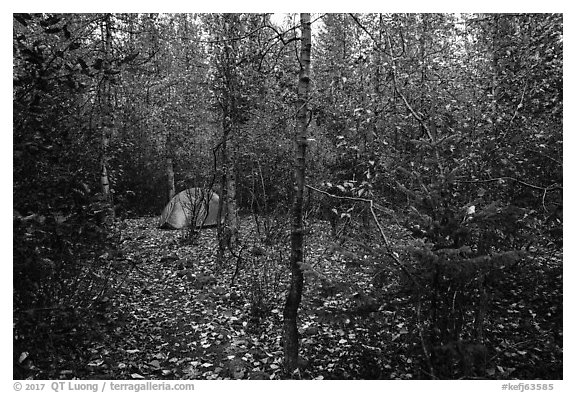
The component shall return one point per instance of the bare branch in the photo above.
(552, 187)
(393, 254)
(358, 199)
(412, 111)
(545, 155)
(376, 42)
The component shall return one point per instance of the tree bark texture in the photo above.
(107, 120)
(496, 70)
(228, 234)
(170, 177)
(221, 228)
(291, 343)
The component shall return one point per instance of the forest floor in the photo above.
(173, 313)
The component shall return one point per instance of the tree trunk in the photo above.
(170, 165)
(231, 212)
(423, 69)
(221, 228)
(107, 122)
(494, 107)
(170, 176)
(294, 296)
(228, 233)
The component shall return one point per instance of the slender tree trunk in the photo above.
(222, 209)
(294, 296)
(107, 121)
(423, 65)
(170, 185)
(170, 176)
(231, 196)
(494, 107)
(228, 233)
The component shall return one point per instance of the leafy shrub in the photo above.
(61, 275)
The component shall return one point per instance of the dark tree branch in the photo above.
(552, 187)
(390, 251)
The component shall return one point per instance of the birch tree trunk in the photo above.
(221, 228)
(232, 212)
(228, 233)
(107, 121)
(291, 344)
(496, 69)
(169, 151)
(170, 176)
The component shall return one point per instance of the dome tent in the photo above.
(188, 205)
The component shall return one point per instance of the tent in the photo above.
(193, 203)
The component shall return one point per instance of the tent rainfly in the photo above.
(191, 204)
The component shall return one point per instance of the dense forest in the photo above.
(380, 196)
